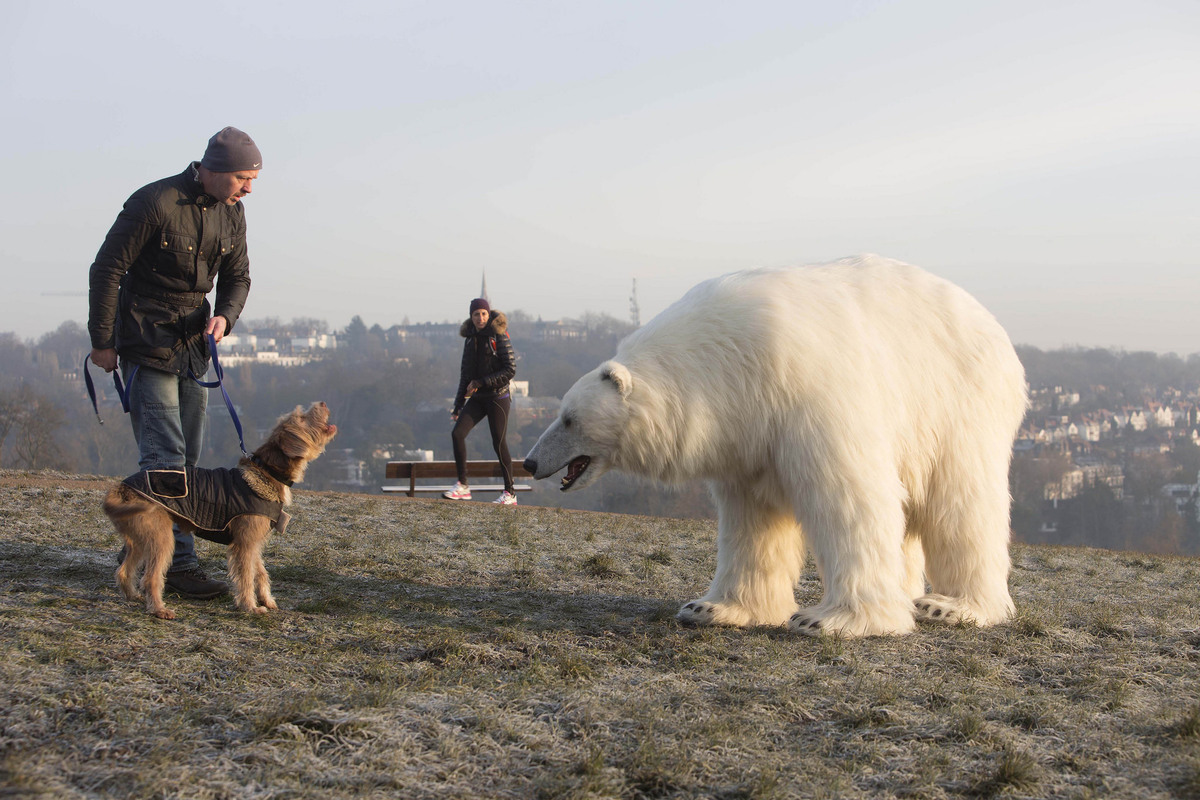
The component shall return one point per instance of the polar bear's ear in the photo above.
(618, 373)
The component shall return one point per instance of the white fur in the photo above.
(863, 408)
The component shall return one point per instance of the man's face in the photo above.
(227, 187)
(480, 317)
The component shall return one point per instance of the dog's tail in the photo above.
(121, 502)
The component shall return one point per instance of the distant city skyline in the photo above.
(1042, 154)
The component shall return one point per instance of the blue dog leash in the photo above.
(220, 383)
(123, 389)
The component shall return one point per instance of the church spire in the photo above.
(483, 287)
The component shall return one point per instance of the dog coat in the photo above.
(210, 499)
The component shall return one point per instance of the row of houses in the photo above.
(290, 351)
(1086, 474)
(266, 347)
(1099, 425)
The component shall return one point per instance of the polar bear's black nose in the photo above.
(530, 466)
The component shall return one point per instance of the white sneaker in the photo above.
(460, 492)
(505, 499)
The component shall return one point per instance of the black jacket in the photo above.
(148, 285)
(487, 357)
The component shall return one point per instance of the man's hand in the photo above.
(105, 359)
(216, 326)
(472, 388)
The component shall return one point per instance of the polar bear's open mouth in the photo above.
(576, 468)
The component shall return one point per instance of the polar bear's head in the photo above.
(588, 431)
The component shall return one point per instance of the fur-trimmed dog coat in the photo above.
(211, 499)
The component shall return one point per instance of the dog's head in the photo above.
(298, 437)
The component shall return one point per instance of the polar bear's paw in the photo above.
(942, 608)
(698, 612)
(704, 612)
(818, 621)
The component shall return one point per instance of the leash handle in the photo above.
(220, 383)
(122, 389)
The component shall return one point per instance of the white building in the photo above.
(325, 341)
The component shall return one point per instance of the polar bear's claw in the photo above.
(849, 624)
(697, 612)
(940, 608)
(805, 624)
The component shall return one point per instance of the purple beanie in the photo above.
(481, 302)
(231, 150)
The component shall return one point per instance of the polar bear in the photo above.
(864, 409)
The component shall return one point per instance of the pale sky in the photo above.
(1045, 155)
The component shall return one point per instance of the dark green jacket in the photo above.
(170, 245)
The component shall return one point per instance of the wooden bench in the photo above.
(414, 470)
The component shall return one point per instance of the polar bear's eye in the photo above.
(567, 422)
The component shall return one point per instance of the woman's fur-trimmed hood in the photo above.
(497, 324)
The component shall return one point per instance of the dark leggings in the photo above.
(496, 411)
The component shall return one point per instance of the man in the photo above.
(148, 308)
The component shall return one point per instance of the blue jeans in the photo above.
(168, 415)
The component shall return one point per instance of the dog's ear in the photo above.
(294, 446)
(289, 435)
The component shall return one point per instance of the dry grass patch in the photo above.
(434, 650)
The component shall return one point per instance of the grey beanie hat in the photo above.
(231, 150)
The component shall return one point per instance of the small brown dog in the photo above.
(235, 506)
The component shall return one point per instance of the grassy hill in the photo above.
(433, 650)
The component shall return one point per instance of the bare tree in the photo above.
(308, 326)
(36, 446)
(105, 449)
(14, 407)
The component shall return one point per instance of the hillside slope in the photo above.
(428, 649)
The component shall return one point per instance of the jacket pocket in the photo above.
(178, 256)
